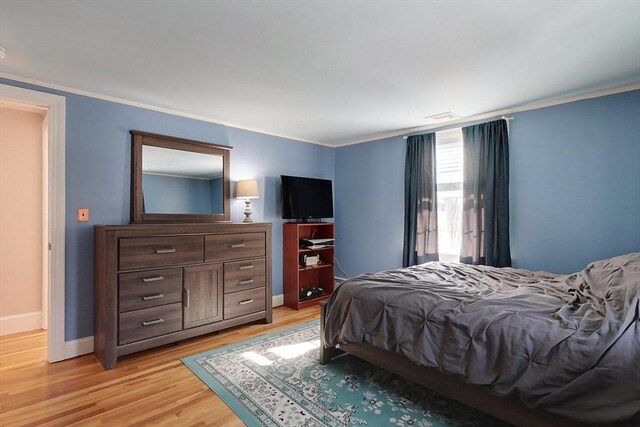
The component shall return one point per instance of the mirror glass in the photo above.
(181, 182)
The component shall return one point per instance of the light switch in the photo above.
(83, 215)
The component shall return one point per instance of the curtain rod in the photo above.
(503, 117)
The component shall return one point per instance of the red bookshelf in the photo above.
(297, 277)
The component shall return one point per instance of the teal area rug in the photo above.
(276, 380)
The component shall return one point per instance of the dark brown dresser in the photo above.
(160, 283)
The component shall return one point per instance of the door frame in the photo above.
(54, 171)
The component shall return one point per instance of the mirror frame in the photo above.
(138, 140)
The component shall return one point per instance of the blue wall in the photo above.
(369, 212)
(575, 183)
(575, 189)
(98, 170)
(172, 194)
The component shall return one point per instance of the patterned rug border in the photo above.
(247, 417)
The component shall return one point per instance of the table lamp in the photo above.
(247, 189)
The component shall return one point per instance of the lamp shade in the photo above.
(247, 189)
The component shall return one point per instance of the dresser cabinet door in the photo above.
(203, 293)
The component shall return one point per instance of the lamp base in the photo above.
(247, 212)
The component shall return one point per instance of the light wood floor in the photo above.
(148, 388)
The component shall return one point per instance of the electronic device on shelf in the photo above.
(311, 293)
(315, 243)
(310, 260)
(305, 198)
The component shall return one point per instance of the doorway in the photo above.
(23, 218)
(52, 108)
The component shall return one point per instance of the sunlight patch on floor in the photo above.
(294, 350)
(257, 358)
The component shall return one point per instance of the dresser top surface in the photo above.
(189, 227)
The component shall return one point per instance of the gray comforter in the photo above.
(568, 344)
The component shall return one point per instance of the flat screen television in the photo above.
(304, 198)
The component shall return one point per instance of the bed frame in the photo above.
(506, 409)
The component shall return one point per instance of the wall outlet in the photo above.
(83, 215)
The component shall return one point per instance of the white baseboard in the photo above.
(84, 345)
(278, 300)
(20, 323)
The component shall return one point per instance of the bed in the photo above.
(531, 348)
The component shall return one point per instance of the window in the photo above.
(449, 178)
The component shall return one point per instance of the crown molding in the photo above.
(148, 107)
(491, 114)
(370, 138)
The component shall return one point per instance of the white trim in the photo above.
(22, 322)
(148, 107)
(277, 300)
(75, 348)
(373, 137)
(44, 231)
(56, 110)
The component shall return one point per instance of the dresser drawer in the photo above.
(244, 302)
(222, 247)
(143, 252)
(146, 289)
(243, 275)
(149, 322)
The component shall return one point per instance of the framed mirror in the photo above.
(178, 180)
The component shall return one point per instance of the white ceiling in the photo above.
(330, 72)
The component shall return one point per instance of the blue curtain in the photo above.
(485, 192)
(420, 204)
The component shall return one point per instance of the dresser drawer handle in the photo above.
(245, 267)
(238, 245)
(152, 322)
(165, 251)
(152, 279)
(246, 281)
(247, 301)
(151, 297)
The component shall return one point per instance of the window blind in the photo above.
(449, 158)
(449, 163)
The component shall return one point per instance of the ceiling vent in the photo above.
(442, 117)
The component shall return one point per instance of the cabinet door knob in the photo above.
(245, 267)
(152, 297)
(152, 279)
(152, 322)
(247, 301)
(238, 245)
(165, 251)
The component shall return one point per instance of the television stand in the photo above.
(297, 277)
